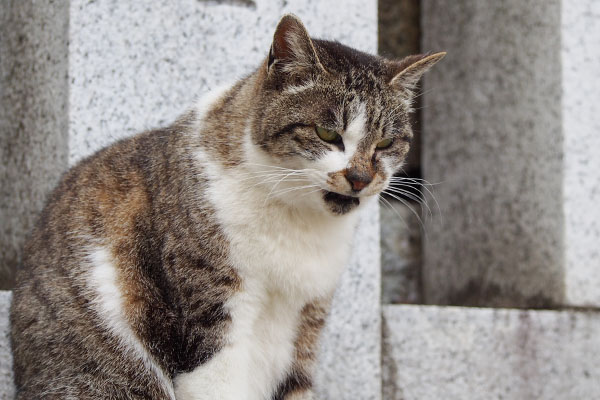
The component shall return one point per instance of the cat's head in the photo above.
(330, 124)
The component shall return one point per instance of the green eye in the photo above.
(327, 135)
(385, 143)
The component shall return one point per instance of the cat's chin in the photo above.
(339, 203)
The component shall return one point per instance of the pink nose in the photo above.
(358, 180)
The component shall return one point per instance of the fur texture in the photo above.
(198, 261)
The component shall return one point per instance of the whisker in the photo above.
(417, 181)
(429, 191)
(272, 179)
(294, 178)
(389, 205)
(272, 166)
(278, 182)
(313, 191)
(287, 190)
(412, 196)
(400, 199)
(260, 175)
(417, 197)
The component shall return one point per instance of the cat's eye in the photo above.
(385, 143)
(328, 135)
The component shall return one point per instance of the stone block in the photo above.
(33, 118)
(400, 36)
(117, 68)
(432, 353)
(350, 359)
(511, 118)
(7, 388)
(401, 259)
(580, 53)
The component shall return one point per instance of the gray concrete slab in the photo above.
(432, 353)
(7, 388)
(510, 125)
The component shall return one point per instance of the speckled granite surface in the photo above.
(495, 139)
(581, 124)
(350, 362)
(433, 353)
(7, 389)
(134, 67)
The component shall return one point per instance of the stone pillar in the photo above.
(401, 244)
(511, 122)
(33, 118)
(79, 75)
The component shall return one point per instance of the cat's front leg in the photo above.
(298, 384)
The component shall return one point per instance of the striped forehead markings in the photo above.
(355, 130)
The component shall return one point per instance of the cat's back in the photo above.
(113, 184)
(103, 202)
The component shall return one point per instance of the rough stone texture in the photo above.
(33, 117)
(7, 388)
(400, 36)
(133, 67)
(581, 126)
(494, 137)
(400, 253)
(432, 353)
(350, 363)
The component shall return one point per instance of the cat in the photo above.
(198, 261)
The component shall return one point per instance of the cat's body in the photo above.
(198, 261)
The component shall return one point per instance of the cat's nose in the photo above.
(358, 179)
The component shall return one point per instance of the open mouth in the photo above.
(339, 203)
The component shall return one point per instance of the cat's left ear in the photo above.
(292, 47)
(405, 74)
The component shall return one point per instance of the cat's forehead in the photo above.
(359, 82)
(350, 96)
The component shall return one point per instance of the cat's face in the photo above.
(331, 125)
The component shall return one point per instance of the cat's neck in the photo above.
(221, 120)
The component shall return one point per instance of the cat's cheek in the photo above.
(391, 166)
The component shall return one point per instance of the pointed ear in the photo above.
(292, 47)
(407, 72)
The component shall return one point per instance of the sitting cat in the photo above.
(198, 261)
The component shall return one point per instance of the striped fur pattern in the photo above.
(198, 261)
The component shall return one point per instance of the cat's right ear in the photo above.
(292, 49)
(405, 74)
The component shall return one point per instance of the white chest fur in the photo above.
(285, 260)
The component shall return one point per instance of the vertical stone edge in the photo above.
(401, 263)
(7, 387)
(33, 118)
(351, 365)
(580, 56)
